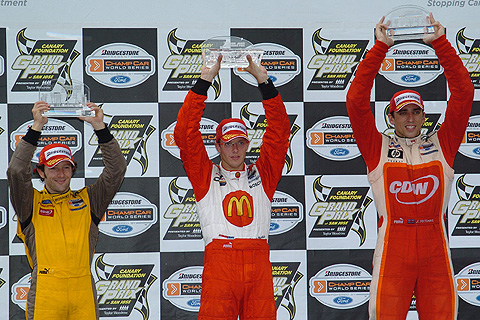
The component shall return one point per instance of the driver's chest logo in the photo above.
(238, 208)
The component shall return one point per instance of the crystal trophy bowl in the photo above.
(67, 100)
(408, 22)
(233, 49)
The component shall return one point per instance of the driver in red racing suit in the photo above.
(234, 201)
(411, 176)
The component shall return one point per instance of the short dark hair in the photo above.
(42, 167)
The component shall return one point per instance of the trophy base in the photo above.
(68, 112)
(232, 58)
(410, 33)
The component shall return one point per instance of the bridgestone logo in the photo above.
(126, 202)
(336, 125)
(343, 273)
(410, 52)
(120, 52)
(190, 276)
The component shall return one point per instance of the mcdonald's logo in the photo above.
(238, 208)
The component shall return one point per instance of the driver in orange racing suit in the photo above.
(411, 176)
(234, 201)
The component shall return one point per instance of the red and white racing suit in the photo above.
(411, 181)
(234, 209)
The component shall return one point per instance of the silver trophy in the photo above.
(67, 100)
(233, 49)
(408, 22)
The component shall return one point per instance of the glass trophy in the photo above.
(67, 100)
(408, 22)
(233, 49)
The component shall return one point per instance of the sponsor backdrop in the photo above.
(140, 58)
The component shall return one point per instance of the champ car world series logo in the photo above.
(120, 65)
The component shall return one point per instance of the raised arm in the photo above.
(358, 99)
(187, 133)
(104, 189)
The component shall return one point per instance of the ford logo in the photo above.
(410, 78)
(273, 78)
(120, 79)
(194, 302)
(274, 226)
(476, 150)
(478, 298)
(339, 152)
(122, 228)
(343, 300)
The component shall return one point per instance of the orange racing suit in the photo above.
(234, 209)
(411, 182)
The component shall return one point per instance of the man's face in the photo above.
(57, 179)
(408, 121)
(232, 153)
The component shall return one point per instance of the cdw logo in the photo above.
(416, 191)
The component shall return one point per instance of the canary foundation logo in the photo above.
(468, 284)
(43, 63)
(470, 146)
(185, 62)
(411, 64)
(183, 288)
(207, 130)
(469, 52)
(256, 126)
(182, 212)
(334, 62)
(120, 65)
(332, 138)
(128, 215)
(122, 288)
(55, 131)
(287, 213)
(19, 291)
(338, 210)
(285, 278)
(281, 63)
(132, 134)
(238, 208)
(467, 209)
(341, 286)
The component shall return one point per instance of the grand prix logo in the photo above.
(470, 146)
(341, 286)
(132, 134)
(339, 210)
(185, 62)
(120, 65)
(332, 138)
(43, 63)
(285, 278)
(334, 62)
(256, 126)
(122, 288)
(128, 215)
(182, 212)
(468, 284)
(281, 63)
(55, 131)
(207, 130)
(467, 208)
(469, 52)
(411, 65)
